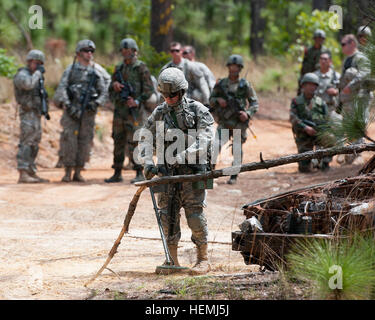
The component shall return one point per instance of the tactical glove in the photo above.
(92, 105)
(74, 112)
(150, 170)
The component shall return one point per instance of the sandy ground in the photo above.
(55, 236)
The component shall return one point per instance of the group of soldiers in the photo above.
(185, 96)
(324, 94)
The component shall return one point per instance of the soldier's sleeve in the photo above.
(147, 137)
(204, 138)
(23, 80)
(253, 101)
(200, 82)
(293, 116)
(147, 85)
(305, 62)
(363, 66)
(102, 88)
(112, 94)
(215, 94)
(61, 94)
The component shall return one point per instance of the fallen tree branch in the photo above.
(132, 206)
(263, 164)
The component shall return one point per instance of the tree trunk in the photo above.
(161, 24)
(258, 25)
(321, 4)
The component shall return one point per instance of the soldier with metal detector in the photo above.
(180, 115)
(81, 90)
(32, 98)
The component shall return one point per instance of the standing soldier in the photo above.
(310, 61)
(234, 102)
(198, 87)
(363, 35)
(129, 90)
(29, 92)
(188, 52)
(180, 112)
(107, 80)
(353, 89)
(329, 80)
(81, 90)
(307, 113)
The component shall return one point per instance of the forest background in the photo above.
(271, 34)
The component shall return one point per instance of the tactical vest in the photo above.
(28, 99)
(78, 82)
(228, 116)
(186, 119)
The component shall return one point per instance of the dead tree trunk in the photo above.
(263, 164)
(161, 24)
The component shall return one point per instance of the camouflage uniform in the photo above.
(208, 75)
(78, 134)
(315, 111)
(124, 126)
(26, 87)
(356, 69)
(227, 117)
(327, 80)
(311, 57)
(198, 86)
(186, 115)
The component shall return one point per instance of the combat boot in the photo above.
(232, 180)
(26, 178)
(68, 175)
(77, 175)
(138, 177)
(202, 266)
(59, 163)
(34, 175)
(166, 268)
(115, 178)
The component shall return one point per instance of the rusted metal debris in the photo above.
(326, 211)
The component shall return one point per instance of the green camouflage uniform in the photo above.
(227, 117)
(301, 110)
(328, 80)
(124, 126)
(189, 114)
(198, 87)
(26, 87)
(77, 135)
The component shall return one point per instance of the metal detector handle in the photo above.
(164, 241)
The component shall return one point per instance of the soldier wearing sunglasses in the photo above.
(198, 86)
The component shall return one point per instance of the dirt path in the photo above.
(54, 237)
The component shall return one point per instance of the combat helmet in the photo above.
(172, 80)
(310, 77)
(364, 30)
(235, 59)
(319, 33)
(35, 55)
(85, 44)
(128, 43)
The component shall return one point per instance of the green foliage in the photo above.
(305, 26)
(8, 66)
(312, 262)
(353, 125)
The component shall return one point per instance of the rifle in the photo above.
(85, 96)
(43, 97)
(126, 91)
(234, 105)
